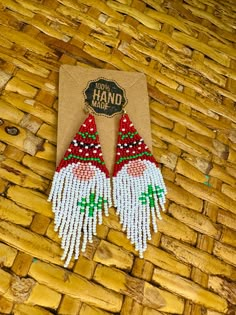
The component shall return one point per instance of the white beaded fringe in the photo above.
(66, 191)
(136, 217)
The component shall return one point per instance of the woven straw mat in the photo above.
(187, 50)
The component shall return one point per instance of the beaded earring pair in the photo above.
(81, 189)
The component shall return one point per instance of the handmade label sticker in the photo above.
(105, 97)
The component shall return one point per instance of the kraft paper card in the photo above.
(104, 93)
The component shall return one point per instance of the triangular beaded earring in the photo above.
(80, 190)
(138, 187)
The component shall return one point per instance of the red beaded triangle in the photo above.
(85, 147)
(130, 145)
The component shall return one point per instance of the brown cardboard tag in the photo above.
(73, 83)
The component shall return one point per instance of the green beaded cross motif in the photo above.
(91, 204)
(148, 197)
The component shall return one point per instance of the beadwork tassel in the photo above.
(138, 187)
(80, 191)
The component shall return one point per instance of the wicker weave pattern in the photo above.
(187, 50)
